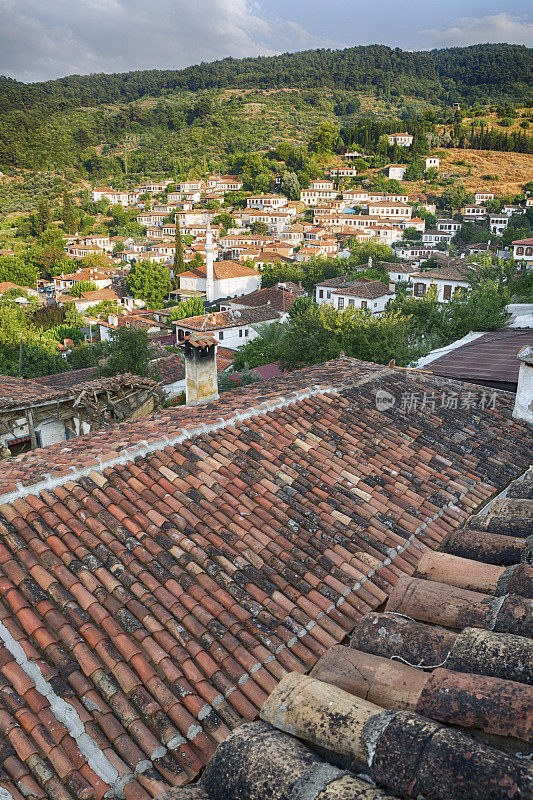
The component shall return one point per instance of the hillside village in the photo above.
(212, 257)
(266, 435)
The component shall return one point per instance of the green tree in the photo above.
(18, 269)
(81, 288)
(225, 220)
(197, 262)
(455, 197)
(264, 349)
(324, 139)
(72, 316)
(67, 214)
(290, 185)
(259, 228)
(43, 218)
(150, 282)
(415, 170)
(179, 261)
(378, 251)
(192, 307)
(127, 351)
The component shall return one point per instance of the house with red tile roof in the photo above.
(231, 279)
(233, 328)
(278, 298)
(523, 250)
(445, 281)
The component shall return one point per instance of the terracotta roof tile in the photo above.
(163, 576)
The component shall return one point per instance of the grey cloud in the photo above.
(59, 37)
(476, 30)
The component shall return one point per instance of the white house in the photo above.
(523, 250)
(483, 197)
(344, 293)
(474, 213)
(401, 139)
(498, 223)
(452, 225)
(266, 202)
(399, 273)
(343, 172)
(391, 210)
(114, 196)
(314, 196)
(446, 281)
(224, 183)
(178, 197)
(434, 237)
(396, 172)
(510, 210)
(63, 283)
(432, 162)
(231, 328)
(191, 186)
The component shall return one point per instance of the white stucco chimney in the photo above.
(523, 407)
(209, 259)
(201, 384)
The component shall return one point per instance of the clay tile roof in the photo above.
(220, 320)
(452, 272)
(17, 391)
(401, 697)
(5, 286)
(65, 380)
(161, 577)
(278, 299)
(369, 290)
(222, 270)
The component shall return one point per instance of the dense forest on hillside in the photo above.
(77, 121)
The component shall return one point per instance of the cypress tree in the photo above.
(44, 217)
(69, 220)
(179, 261)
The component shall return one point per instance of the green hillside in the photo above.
(174, 120)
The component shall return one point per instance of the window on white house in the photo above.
(221, 335)
(240, 333)
(328, 295)
(341, 302)
(321, 293)
(246, 332)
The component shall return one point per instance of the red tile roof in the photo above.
(274, 297)
(64, 380)
(164, 575)
(222, 270)
(369, 290)
(14, 391)
(220, 320)
(410, 707)
(452, 272)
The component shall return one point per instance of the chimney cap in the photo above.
(196, 339)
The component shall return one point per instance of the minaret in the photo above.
(209, 258)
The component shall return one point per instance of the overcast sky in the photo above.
(41, 39)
